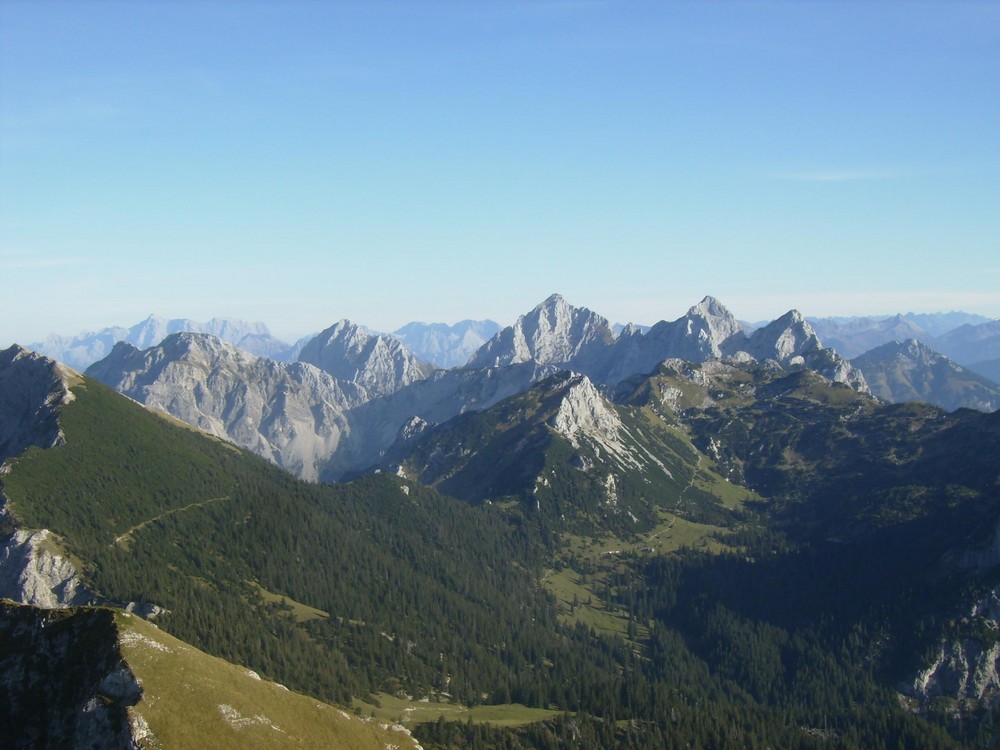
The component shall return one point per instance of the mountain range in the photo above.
(970, 340)
(354, 393)
(436, 343)
(697, 534)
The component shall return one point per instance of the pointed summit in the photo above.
(710, 307)
(32, 388)
(716, 330)
(380, 364)
(784, 339)
(554, 332)
(707, 331)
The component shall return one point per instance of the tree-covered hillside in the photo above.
(785, 617)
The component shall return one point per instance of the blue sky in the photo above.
(302, 162)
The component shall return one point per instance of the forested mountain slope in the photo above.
(786, 605)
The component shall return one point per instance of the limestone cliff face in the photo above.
(577, 339)
(64, 680)
(379, 364)
(553, 333)
(34, 571)
(966, 665)
(291, 414)
(32, 388)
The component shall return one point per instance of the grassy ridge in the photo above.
(191, 699)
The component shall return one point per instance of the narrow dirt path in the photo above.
(122, 540)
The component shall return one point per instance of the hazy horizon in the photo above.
(299, 163)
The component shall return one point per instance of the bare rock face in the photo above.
(64, 679)
(379, 364)
(34, 571)
(554, 333)
(783, 339)
(584, 415)
(32, 388)
(297, 416)
(791, 341)
(965, 667)
(291, 414)
(707, 331)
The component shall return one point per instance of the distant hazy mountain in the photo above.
(443, 345)
(949, 333)
(971, 343)
(988, 369)
(854, 336)
(911, 371)
(937, 324)
(378, 363)
(619, 327)
(84, 349)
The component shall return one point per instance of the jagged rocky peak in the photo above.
(380, 364)
(712, 323)
(583, 410)
(203, 348)
(32, 388)
(292, 414)
(784, 339)
(34, 571)
(181, 358)
(554, 332)
(585, 417)
(64, 679)
(629, 330)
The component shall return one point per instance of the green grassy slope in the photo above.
(425, 594)
(191, 699)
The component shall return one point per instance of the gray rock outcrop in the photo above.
(291, 414)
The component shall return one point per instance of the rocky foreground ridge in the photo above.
(93, 677)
